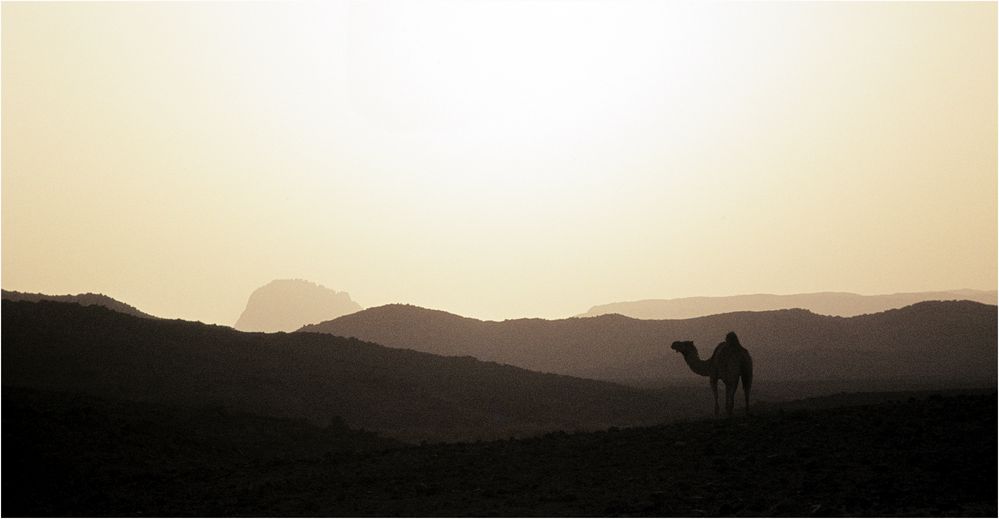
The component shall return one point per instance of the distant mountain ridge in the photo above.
(404, 394)
(87, 299)
(841, 304)
(954, 341)
(285, 305)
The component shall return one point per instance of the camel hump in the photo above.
(733, 340)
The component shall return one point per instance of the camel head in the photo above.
(684, 347)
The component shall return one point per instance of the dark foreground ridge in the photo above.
(319, 377)
(68, 455)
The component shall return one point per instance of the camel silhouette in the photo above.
(729, 362)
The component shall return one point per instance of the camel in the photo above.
(729, 362)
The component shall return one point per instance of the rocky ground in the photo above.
(76, 456)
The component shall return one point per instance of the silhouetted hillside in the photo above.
(72, 456)
(404, 394)
(81, 299)
(842, 304)
(285, 305)
(932, 341)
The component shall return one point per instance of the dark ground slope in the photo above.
(76, 455)
(919, 457)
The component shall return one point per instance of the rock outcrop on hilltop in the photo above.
(285, 305)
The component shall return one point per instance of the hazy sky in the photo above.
(496, 159)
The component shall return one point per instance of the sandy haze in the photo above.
(496, 159)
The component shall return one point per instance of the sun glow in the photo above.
(484, 99)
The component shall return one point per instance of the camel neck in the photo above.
(698, 366)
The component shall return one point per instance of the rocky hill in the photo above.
(286, 305)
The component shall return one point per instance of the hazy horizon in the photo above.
(496, 159)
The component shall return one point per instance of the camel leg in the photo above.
(730, 396)
(714, 388)
(747, 378)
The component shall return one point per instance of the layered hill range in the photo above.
(405, 394)
(285, 305)
(842, 304)
(942, 341)
(473, 379)
(87, 299)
